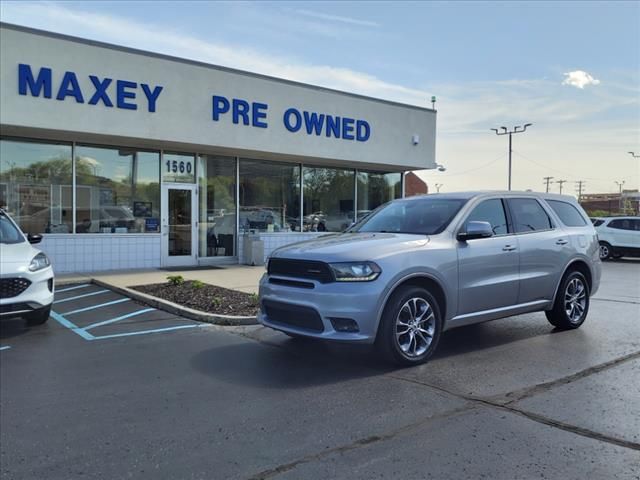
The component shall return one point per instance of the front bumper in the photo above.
(340, 301)
(38, 295)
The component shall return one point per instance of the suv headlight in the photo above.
(39, 262)
(355, 271)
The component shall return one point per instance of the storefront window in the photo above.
(269, 196)
(217, 199)
(117, 190)
(328, 199)
(375, 188)
(35, 185)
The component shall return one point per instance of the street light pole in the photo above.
(438, 186)
(516, 129)
(633, 154)
(620, 184)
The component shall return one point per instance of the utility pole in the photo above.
(547, 180)
(580, 183)
(561, 182)
(516, 129)
(438, 185)
(620, 184)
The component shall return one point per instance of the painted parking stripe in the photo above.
(93, 307)
(71, 326)
(81, 296)
(157, 330)
(7, 347)
(68, 289)
(117, 319)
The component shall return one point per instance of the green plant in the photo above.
(255, 299)
(216, 302)
(197, 284)
(175, 280)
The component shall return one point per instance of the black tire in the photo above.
(39, 316)
(606, 251)
(558, 316)
(393, 344)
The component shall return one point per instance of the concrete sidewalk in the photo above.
(236, 277)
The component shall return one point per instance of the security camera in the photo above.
(415, 139)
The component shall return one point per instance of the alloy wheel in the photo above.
(604, 252)
(415, 327)
(575, 300)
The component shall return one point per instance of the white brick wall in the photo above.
(94, 252)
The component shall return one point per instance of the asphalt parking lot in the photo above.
(110, 389)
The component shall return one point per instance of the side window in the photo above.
(528, 215)
(597, 223)
(490, 211)
(569, 214)
(621, 224)
(636, 224)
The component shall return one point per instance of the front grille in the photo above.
(15, 307)
(12, 287)
(293, 315)
(308, 269)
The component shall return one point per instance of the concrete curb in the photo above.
(155, 302)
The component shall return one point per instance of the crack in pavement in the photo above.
(616, 301)
(358, 443)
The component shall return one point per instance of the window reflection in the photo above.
(375, 188)
(35, 185)
(328, 199)
(269, 196)
(217, 182)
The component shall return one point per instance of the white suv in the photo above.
(26, 276)
(618, 236)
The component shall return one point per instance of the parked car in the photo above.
(26, 276)
(618, 236)
(422, 265)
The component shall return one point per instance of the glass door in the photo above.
(179, 225)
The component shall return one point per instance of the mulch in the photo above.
(229, 302)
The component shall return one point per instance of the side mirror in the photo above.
(34, 238)
(476, 230)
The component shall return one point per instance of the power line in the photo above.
(547, 180)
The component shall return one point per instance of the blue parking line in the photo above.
(71, 326)
(117, 319)
(93, 307)
(73, 288)
(81, 296)
(157, 330)
(5, 348)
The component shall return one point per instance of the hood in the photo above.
(345, 247)
(16, 257)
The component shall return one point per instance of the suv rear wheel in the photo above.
(572, 302)
(410, 327)
(605, 251)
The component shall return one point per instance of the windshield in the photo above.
(8, 231)
(427, 216)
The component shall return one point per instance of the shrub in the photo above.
(255, 299)
(175, 280)
(216, 302)
(197, 284)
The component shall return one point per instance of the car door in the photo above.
(488, 267)
(621, 232)
(544, 249)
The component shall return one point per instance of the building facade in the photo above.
(131, 159)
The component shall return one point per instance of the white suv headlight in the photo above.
(355, 271)
(39, 262)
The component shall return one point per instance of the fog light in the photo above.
(50, 284)
(344, 324)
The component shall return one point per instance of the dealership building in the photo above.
(129, 159)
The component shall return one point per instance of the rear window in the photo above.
(569, 215)
(597, 223)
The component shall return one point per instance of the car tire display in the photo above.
(39, 316)
(571, 305)
(410, 326)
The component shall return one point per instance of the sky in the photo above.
(572, 69)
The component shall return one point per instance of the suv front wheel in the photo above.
(410, 327)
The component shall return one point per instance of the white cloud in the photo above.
(579, 79)
(337, 18)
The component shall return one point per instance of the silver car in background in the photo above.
(419, 266)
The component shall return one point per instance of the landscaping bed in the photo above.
(202, 296)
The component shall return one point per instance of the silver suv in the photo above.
(419, 266)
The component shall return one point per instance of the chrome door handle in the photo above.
(509, 248)
(562, 241)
